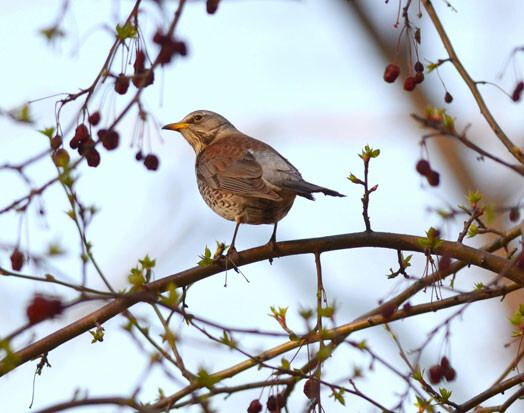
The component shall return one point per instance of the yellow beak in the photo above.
(176, 126)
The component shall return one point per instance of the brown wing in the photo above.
(233, 169)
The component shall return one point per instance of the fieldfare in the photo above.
(241, 178)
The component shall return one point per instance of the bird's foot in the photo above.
(232, 257)
(274, 249)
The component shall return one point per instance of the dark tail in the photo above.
(305, 189)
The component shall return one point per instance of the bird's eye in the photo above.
(197, 117)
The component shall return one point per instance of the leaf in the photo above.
(127, 31)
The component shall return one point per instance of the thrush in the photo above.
(241, 178)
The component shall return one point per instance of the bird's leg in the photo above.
(273, 242)
(232, 251)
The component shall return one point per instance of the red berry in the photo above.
(391, 73)
(17, 260)
(410, 83)
(436, 374)
(139, 156)
(56, 142)
(94, 118)
(423, 167)
(121, 84)
(81, 132)
(445, 362)
(151, 162)
(448, 98)
(212, 6)
(254, 407)
(110, 140)
(60, 157)
(93, 158)
(311, 389)
(419, 77)
(419, 67)
(514, 214)
(42, 308)
(433, 178)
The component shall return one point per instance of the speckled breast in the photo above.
(251, 210)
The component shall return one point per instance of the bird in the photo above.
(239, 177)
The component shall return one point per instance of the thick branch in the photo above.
(468, 255)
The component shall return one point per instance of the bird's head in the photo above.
(201, 128)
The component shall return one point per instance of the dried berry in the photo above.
(423, 167)
(121, 84)
(110, 140)
(419, 67)
(86, 147)
(140, 62)
(75, 143)
(81, 132)
(93, 158)
(391, 73)
(143, 79)
(514, 214)
(151, 162)
(436, 374)
(407, 306)
(56, 142)
(274, 404)
(139, 156)
(159, 38)
(433, 178)
(450, 374)
(254, 407)
(445, 363)
(419, 77)
(518, 91)
(311, 389)
(171, 48)
(212, 6)
(60, 157)
(94, 118)
(17, 260)
(448, 98)
(43, 307)
(410, 83)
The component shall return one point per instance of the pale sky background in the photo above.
(301, 76)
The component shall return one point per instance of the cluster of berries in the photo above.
(424, 169)
(442, 371)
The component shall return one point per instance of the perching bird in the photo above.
(241, 178)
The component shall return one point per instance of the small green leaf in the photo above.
(49, 132)
(127, 31)
(479, 286)
(172, 296)
(445, 394)
(355, 180)
(285, 364)
(339, 396)
(205, 259)
(205, 379)
(472, 231)
(228, 340)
